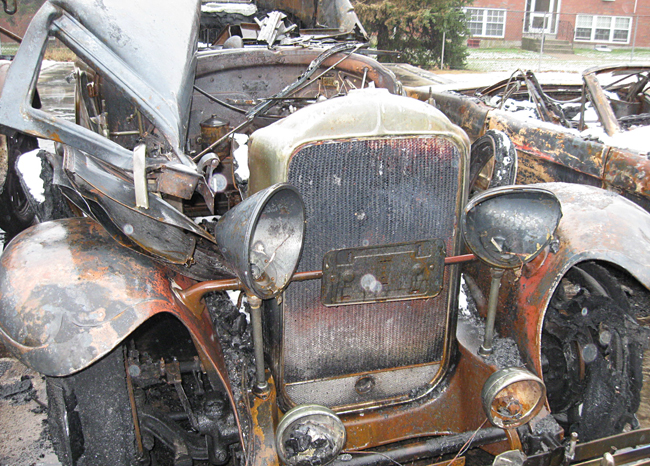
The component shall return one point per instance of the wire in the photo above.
(465, 447)
(219, 101)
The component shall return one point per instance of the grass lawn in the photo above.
(507, 59)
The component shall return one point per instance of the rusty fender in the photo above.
(69, 294)
(596, 225)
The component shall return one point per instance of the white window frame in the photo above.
(596, 23)
(484, 21)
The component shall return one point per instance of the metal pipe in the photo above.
(459, 259)
(486, 347)
(191, 297)
(261, 385)
(125, 133)
(426, 449)
(11, 35)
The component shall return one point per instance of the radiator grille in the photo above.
(359, 193)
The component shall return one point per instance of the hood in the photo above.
(158, 46)
(146, 47)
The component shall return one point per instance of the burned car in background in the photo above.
(592, 133)
(289, 167)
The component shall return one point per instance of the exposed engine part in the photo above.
(213, 129)
(176, 407)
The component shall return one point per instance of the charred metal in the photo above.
(575, 133)
(259, 244)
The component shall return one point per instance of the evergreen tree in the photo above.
(415, 28)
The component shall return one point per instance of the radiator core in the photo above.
(361, 192)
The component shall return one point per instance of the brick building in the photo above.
(585, 23)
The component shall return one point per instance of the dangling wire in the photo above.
(465, 447)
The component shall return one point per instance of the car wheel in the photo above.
(493, 162)
(89, 415)
(592, 352)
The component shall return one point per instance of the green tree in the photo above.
(415, 28)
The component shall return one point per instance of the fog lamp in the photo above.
(512, 397)
(309, 434)
(262, 239)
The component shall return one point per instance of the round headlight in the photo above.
(512, 397)
(262, 239)
(309, 434)
(507, 227)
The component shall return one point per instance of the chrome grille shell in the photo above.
(373, 169)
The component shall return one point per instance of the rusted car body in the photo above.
(347, 239)
(589, 133)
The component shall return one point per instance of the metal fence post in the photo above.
(541, 45)
(442, 54)
(635, 22)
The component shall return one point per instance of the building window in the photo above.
(622, 30)
(486, 22)
(594, 28)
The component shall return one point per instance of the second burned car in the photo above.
(593, 132)
(343, 215)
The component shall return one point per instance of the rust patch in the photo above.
(453, 409)
(627, 172)
(264, 414)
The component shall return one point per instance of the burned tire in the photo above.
(592, 352)
(89, 415)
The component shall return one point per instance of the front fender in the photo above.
(596, 225)
(69, 294)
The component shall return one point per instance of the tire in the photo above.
(89, 415)
(493, 162)
(592, 354)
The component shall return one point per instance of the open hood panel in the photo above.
(159, 48)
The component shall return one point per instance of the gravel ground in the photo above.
(23, 417)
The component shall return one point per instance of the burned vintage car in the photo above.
(266, 258)
(594, 132)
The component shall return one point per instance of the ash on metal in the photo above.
(234, 333)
